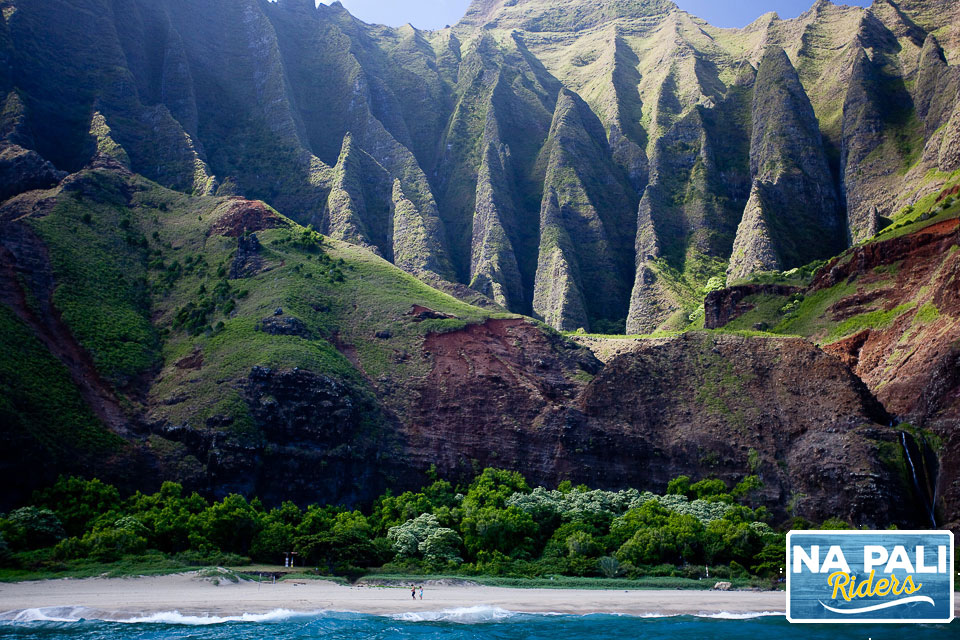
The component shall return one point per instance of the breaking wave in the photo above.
(461, 615)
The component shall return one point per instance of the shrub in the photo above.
(109, 545)
(78, 502)
(442, 546)
(33, 528)
(610, 567)
(408, 537)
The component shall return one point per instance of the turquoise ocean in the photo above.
(475, 623)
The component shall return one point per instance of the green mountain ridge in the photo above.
(263, 99)
(168, 168)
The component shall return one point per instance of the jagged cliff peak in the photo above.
(558, 15)
(462, 118)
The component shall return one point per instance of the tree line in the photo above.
(497, 525)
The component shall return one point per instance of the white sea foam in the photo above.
(76, 614)
(175, 617)
(726, 615)
(462, 615)
(50, 614)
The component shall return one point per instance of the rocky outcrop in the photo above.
(862, 134)
(24, 170)
(698, 404)
(320, 437)
(948, 151)
(720, 307)
(494, 270)
(793, 216)
(276, 325)
(936, 88)
(316, 439)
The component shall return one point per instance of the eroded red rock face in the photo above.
(239, 215)
(490, 390)
(913, 365)
(505, 394)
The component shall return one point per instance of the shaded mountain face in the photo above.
(593, 164)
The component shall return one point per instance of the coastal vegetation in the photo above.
(497, 527)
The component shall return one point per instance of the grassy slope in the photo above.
(129, 256)
(40, 404)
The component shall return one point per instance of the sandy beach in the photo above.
(120, 598)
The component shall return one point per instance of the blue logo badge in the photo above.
(870, 576)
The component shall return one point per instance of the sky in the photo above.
(436, 14)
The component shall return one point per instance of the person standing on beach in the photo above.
(421, 592)
(413, 591)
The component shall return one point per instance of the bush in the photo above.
(33, 528)
(442, 547)
(110, 545)
(610, 567)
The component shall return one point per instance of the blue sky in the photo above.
(435, 14)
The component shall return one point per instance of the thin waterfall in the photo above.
(916, 480)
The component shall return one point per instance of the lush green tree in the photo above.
(171, 517)
(647, 546)
(348, 543)
(610, 567)
(650, 514)
(423, 537)
(746, 487)
(728, 541)
(231, 524)
(278, 531)
(77, 502)
(770, 561)
(509, 531)
(5, 554)
(408, 537)
(111, 544)
(679, 540)
(707, 488)
(353, 537)
(32, 528)
(492, 488)
(557, 547)
(679, 486)
(581, 543)
(272, 541)
(391, 511)
(442, 546)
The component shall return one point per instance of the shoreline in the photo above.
(190, 595)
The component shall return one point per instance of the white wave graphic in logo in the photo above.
(885, 605)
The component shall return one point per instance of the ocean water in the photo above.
(474, 623)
